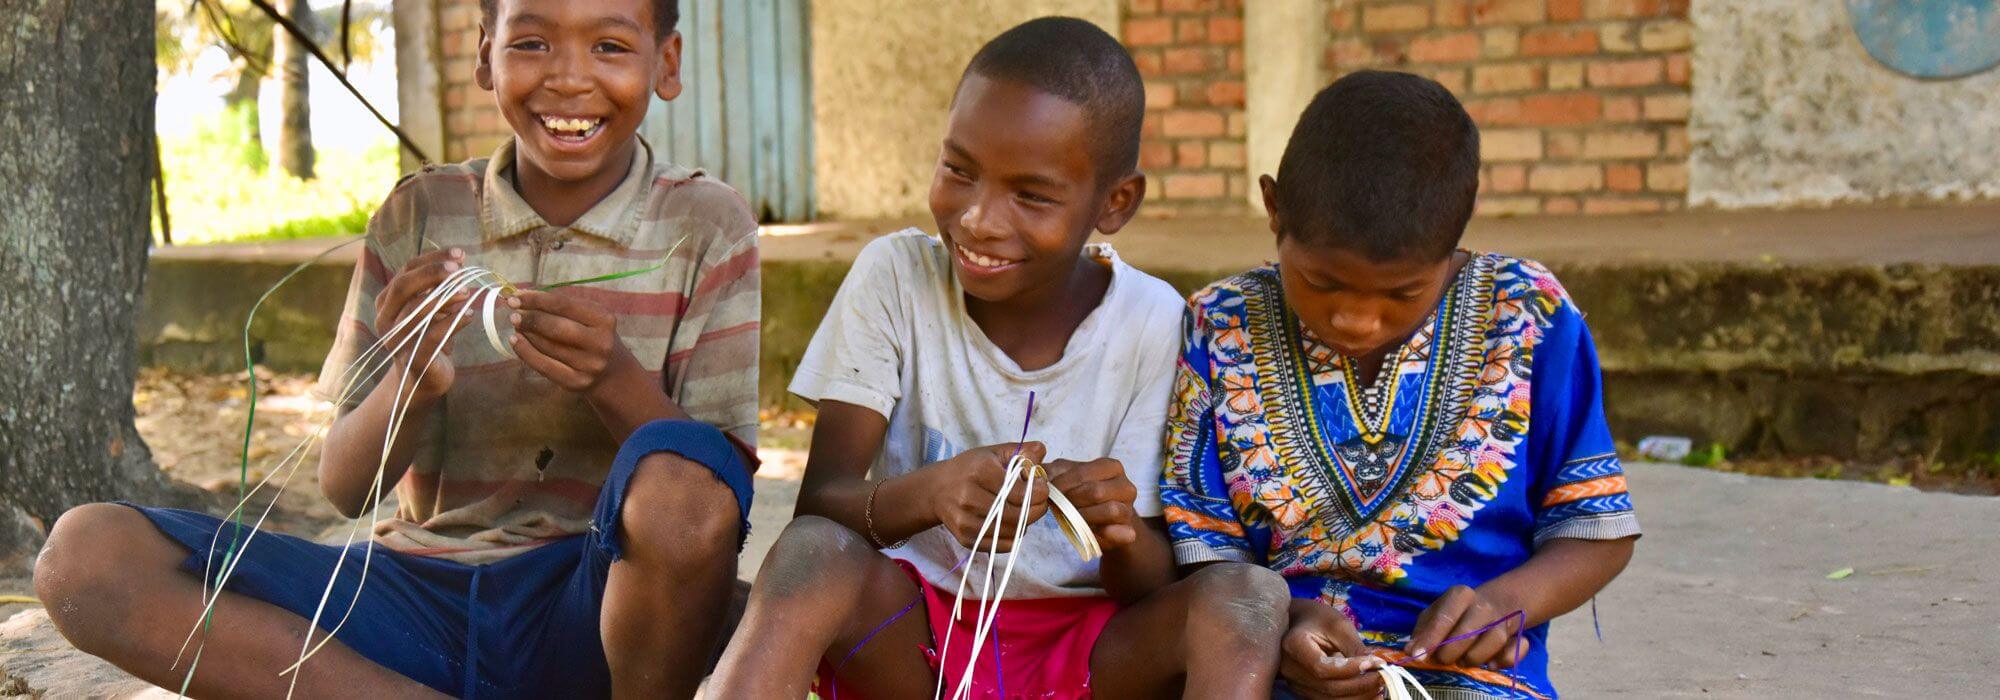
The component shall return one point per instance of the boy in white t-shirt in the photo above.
(922, 371)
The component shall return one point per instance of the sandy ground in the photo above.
(1728, 596)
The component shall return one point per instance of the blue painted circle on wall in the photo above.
(1929, 38)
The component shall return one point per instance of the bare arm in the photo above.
(1137, 557)
(1146, 564)
(1562, 575)
(354, 446)
(955, 493)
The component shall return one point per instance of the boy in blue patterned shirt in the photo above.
(1410, 433)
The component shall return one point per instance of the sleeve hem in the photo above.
(1188, 552)
(815, 387)
(1609, 526)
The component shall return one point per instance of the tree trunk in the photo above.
(240, 104)
(295, 148)
(78, 77)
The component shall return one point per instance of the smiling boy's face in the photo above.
(573, 80)
(1016, 191)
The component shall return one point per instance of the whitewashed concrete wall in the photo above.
(883, 74)
(1790, 110)
(1284, 57)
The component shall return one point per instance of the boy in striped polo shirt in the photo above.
(527, 555)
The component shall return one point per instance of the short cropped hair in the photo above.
(666, 14)
(1383, 164)
(1075, 60)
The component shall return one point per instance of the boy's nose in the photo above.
(1352, 328)
(570, 74)
(976, 222)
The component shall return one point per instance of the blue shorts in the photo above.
(525, 626)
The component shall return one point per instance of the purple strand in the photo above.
(1594, 624)
(878, 630)
(1519, 616)
(1018, 444)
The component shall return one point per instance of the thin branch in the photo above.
(256, 64)
(160, 193)
(346, 20)
(339, 75)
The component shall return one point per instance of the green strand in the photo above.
(249, 427)
(622, 275)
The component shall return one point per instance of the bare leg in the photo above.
(1215, 634)
(822, 590)
(113, 585)
(665, 600)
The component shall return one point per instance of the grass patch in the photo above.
(222, 189)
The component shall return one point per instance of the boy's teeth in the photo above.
(569, 123)
(982, 260)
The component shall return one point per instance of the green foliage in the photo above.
(218, 192)
(368, 30)
(234, 131)
(1985, 464)
(183, 28)
(1706, 457)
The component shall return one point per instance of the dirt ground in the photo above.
(194, 426)
(1737, 589)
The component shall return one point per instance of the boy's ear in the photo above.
(1269, 187)
(482, 72)
(668, 86)
(1122, 203)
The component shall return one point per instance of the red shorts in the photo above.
(1037, 649)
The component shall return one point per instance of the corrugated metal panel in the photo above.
(746, 113)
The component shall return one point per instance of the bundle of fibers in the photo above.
(484, 288)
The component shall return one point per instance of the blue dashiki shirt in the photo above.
(1482, 438)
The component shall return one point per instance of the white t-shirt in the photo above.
(897, 340)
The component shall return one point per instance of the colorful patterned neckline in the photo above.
(1366, 467)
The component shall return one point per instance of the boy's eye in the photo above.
(956, 171)
(528, 45)
(1036, 198)
(611, 47)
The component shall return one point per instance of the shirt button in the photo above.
(558, 245)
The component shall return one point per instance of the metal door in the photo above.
(746, 113)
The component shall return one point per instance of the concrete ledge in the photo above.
(1852, 362)
(194, 310)
(1866, 334)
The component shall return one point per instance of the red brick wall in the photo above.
(472, 123)
(1582, 104)
(1191, 55)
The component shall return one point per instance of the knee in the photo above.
(1246, 604)
(677, 508)
(84, 572)
(810, 552)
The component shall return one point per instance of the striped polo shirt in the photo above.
(508, 460)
